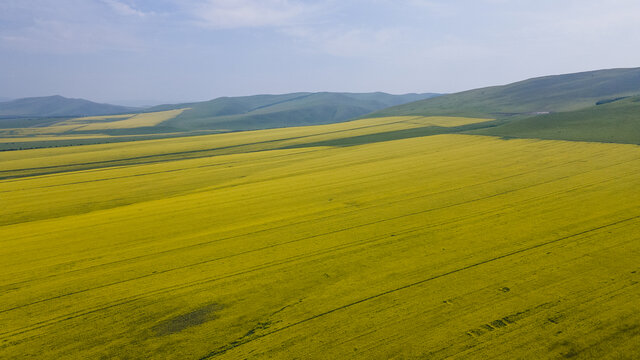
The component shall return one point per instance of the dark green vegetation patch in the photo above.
(617, 122)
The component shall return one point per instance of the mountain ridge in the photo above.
(553, 93)
(271, 111)
(59, 106)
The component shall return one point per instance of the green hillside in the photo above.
(616, 121)
(54, 106)
(273, 111)
(545, 94)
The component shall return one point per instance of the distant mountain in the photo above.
(525, 98)
(4, 99)
(57, 106)
(272, 111)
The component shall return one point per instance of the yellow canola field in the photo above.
(55, 160)
(139, 120)
(57, 131)
(64, 130)
(253, 245)
(87, 119)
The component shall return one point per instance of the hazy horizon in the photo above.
(147, 52)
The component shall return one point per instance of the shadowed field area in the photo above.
(350, 240)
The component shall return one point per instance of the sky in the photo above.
(138, 52)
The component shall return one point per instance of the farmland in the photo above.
(130, 121)
(397, 237)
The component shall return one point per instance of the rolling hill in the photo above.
(57, 106)
(273, 111)
(617, 121)
(561, 107)
(50, 114)
(525, 98)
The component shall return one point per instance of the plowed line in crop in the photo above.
(153, 173)
(329, 185)
(458, 148)
(224, 349)
(428, 312)
(433, 193)
(108, 163)
(257, 268)
(272, 264)
(118, 163)
(342, 214)
(606, 292)
(268, 265)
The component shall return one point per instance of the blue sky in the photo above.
(147, 51)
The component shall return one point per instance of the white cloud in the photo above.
(124, 9)
(229, 14)
(71, 27)
(349, 42)
(54, 36)
(436, 8)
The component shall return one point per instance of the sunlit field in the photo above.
(352, 240)
(134, 121)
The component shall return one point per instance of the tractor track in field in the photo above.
(329, 216)
(299, 239)
(469, 143)
(124, 301)
(151, 173)
(243, 341)
(19, 221)
(606, 292)
(335, 215)
(81, 313)
(362, 162)
(427, 312)
(183, 154)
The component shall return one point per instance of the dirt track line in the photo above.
(150, 173)
(231, 346)
(264, 266)
(286, 242)
(257, 267)
(109, 163)
(81, 313)
(269, 246)
(328, 217)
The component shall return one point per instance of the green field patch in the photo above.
(614, 122)
(190, 319)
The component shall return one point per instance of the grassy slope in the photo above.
(551, 93)
(617, 122)
(230, 105)
(242, 245)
